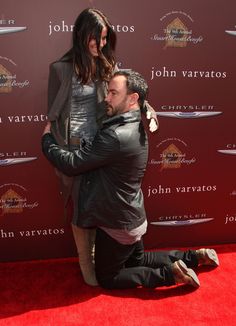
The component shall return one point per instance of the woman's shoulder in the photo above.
(61, 65)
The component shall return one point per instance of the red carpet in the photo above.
(52, 293)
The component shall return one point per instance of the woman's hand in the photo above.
(47, 128)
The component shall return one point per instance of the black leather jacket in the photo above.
(110, 191)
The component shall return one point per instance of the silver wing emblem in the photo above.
(181, 223)
(6, 30)
(227, 151)
(231, 33)
(189, 115)
(10, 161)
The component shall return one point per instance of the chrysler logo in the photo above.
(10, 161)
(227, 151)
(190, 115)
(6, 30)
(181, 223)
(231, 33)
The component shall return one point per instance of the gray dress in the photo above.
(83, 126)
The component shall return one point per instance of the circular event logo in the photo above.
(171, 153)
(8, 77)
(14, 200)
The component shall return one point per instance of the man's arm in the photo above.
(104, 150)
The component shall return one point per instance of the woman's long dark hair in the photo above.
(89, 25)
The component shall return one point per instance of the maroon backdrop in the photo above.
(187, 53)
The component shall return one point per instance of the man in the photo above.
(111, 198)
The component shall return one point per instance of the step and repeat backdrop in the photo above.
(186, 50)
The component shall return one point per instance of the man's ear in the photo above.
(134, 97)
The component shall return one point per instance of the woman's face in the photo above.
(92, 45)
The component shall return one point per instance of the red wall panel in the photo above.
(187, 55)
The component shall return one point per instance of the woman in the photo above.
(76, 91)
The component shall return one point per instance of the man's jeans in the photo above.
(121, 266)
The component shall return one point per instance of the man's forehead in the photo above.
(117, 82)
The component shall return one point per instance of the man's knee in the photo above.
(106, 282)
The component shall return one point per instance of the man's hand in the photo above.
(47, 129)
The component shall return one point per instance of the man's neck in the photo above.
(133, 108)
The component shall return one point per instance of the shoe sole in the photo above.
(189, 272)
(212, 255)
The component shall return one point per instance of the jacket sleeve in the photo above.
(54, 84)
(103, 150)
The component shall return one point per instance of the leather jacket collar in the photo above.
(127, 117)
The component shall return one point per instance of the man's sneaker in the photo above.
(207, 257)
(184, 275)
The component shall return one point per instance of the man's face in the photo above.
(117, 99)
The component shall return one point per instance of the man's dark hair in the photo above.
(135, 84)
